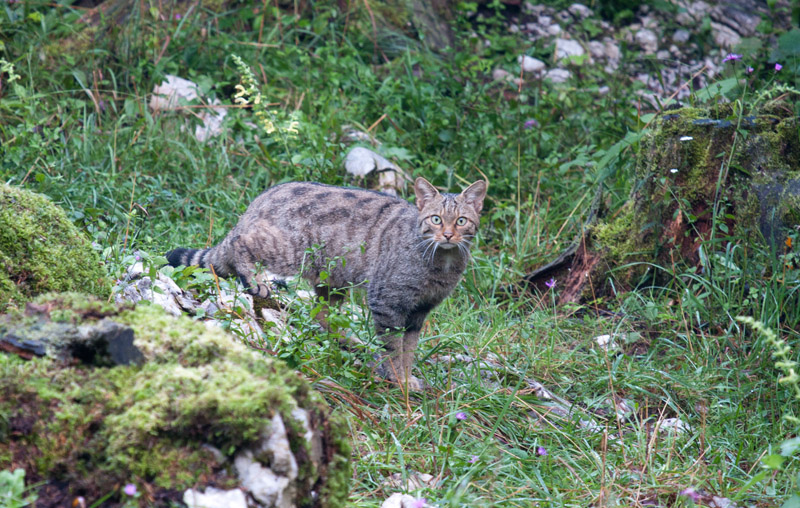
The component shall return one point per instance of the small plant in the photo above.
(783, 361)
(13, 493)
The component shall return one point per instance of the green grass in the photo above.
(76, 127)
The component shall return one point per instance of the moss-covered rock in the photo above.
(41, 250)
(89, 430)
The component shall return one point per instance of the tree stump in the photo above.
(702, 175)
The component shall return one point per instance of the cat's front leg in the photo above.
(396, 362)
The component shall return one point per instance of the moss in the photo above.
(94, 427)
(615, 237)
(41, 250)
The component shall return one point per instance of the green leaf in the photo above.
(792, 502)
(717, 89)
(790, 446)
(788, 46)
(773, 461)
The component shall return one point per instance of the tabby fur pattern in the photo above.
(410, 257)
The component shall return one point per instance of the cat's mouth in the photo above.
(447, 244)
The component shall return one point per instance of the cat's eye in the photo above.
(436, 219)
(461, 221)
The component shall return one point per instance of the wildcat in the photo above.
(410, 257)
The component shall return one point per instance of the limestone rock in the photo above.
(557, 75)
(398, 500)
(361, 161)
(531, 65)
(648, 40)
(214, 498)
(566, 48)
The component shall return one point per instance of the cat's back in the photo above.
(310, 203)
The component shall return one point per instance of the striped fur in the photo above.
(409, 257)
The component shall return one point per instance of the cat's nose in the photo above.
(448, 235)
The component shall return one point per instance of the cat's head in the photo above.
(449, 220)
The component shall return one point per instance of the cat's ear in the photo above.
(474, 194)
(424, 191)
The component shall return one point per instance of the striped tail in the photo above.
(188, 257)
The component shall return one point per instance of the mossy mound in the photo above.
(88, 431)
(42, 251)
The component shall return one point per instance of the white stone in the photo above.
(398, 500)
(606, 342)
(648, 40)
(557, 75)
(531, 65)
(361, 161)
(597, 49)
(663, 54)
(675, 425)
(214, 498)
(501, 75)
(681, 36)
(169, 95)
(277, 446)
(413, 481)
(553, 29)
(513, 28)
(566, 48)
(724, 36)
(580, 11)
(263, 484)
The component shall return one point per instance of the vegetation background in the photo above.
(77, 127)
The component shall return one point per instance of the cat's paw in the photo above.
(413, 383)
(383, 368)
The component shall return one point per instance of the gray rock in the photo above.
(648, 40)
(741, 17)
(277, 449)
(101, 343)
(566, 48)
(580, 11)
(314, 439)
(398, 500)
(724, 36)
(557, 75)
(553, 29)
(531, 65)
(663, 54)
(215, 498)
(597, 49)
(501, 75)
(680, 36)
(361, 161)
(694, 12)
(267, 488)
